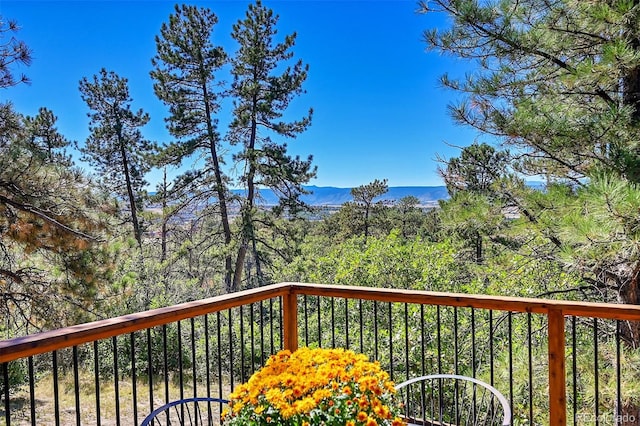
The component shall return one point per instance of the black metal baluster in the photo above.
(32, 392)
(474, 359)
(134, 387)
(406, 340)
(207, 358)
(474, 412)
(231, 346)
(116, 384)
(150, 369)
(207, 363)
(243, 379)
(439, 339)
(530, 354)
(375, 329)
(391, 341)
(96, 380)
(219, 344)
(574, 365)
(596, 382)
(360, 315)
(56, 393)
(280, 308)
(180, 363)
(180, 367)
(618, 411)
(271, 321)
(165, 358)
(319, 322)
(455, 340)
(194, 363)
(262, 358)
(333, 323)
(306, 320)
(252, 338)
(76, 383)
(423, 342)
(510, 321)
(7, 401)
(346, 322)
(491, 353)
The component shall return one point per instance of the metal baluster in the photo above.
(32, 393)
(76, 384)
(7, 402)
(134, 388)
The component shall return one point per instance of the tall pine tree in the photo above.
(264, 84)
(185, 68)
(115, 146)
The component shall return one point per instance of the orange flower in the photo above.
(292, 385)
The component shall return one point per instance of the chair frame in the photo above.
(495, 392)
(151, 417)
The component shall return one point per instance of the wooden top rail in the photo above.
(480, 301)
(48, 341)
(21, 347)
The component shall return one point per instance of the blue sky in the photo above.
(379, 111)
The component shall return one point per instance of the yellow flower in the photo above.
(311, 387)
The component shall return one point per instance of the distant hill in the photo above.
(332, 196)
(427, 196)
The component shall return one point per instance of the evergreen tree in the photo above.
(407, 216)
(363, 197)
(184, 72)
(476, 182)
(262, 90)
(12, 52)
(45, 136)
(52, 221)
(52, 232)
(559, 82)
(116, 147)
(477, 168)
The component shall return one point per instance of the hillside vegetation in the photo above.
(557, 106)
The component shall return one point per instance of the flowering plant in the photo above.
(315, 387)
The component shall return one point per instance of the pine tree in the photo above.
(12, 52)
(263, 87)
(52, 221)
(116, 147)
(185, 67)
(559, 82)
(53, 226)
(45, 136)
(363, 197)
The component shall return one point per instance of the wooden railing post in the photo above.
(290, 319)
(557, 378)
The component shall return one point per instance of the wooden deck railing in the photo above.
(555, 311)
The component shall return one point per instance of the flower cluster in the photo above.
(315, 387)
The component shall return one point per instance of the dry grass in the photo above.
(45, 403)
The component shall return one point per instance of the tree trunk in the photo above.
(366, 223)
(163, 232)
(478, 244)
(220, 189)
(132, 200)
(629, 293)
(247, 234)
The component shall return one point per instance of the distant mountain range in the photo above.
(332, 196)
